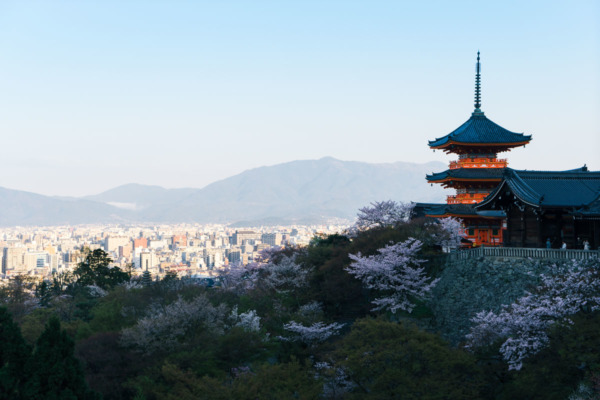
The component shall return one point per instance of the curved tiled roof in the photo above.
(467, 173)
(480, 130)
(591, 210)
(578, 188)
(454, 210)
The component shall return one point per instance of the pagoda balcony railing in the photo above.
(521, 252)
(466, 198)
(479, 163)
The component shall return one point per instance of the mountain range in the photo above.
(307, 191)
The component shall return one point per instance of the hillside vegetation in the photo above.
(347, 317)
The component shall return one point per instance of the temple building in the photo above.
(548, 208)
(476, 173)
(502, 206)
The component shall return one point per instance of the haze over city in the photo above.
(182, 94)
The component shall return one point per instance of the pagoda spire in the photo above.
(478, 88)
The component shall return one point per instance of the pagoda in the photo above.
(476, 172)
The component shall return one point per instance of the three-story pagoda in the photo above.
(476, 173)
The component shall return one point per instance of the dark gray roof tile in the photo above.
(480, 129)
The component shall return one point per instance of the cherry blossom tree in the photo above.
(451, 233)
(164, 326)
(315, 333)
(396, 271)
(523, 325)
(96, 291)
(382, 213)
(239, 278)
(266, 255)
(248, 321)
(311, 311)
(283, 276)
(270, 269)
(336, 382)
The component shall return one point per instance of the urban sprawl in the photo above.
(187, 250)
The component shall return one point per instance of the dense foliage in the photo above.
(298, 323)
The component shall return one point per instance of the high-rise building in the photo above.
(272, 239)
(234, 256)
(148, 261)
(140, 243)
(36, 259)
(112, 243)
(179, 241)
(239, 236)
(12, 259)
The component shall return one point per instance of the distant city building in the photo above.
(179, 241)
(234, 256)
(148, 261)
(112, 243)
(45, 250)
(125, 251)
(262, 246)
(158, 244)
(34, 260)
(140, 243)
(272, 239)
(12, 259)
(239, 236)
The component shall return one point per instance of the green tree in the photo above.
(18, 294)
(14, 354)
(280, 381)
(96, 270)
(571, 357)
(54, 372)
(43, 292)
(108, 366)
(386, 360)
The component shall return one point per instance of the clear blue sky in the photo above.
(183, 93)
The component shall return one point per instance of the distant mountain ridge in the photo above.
(307, 190)
(142, 196)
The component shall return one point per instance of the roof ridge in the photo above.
(525, 188)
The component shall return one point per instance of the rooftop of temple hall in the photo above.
(577, 189)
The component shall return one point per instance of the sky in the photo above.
(96, 94)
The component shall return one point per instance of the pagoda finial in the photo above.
(478, 86)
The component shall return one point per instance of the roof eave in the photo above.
(479, 144)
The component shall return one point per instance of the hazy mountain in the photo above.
(137, 197)
(293, 192)
(25, 208)
(300, 190)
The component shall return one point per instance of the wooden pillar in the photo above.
(523, 228)
(506, 241)
(575, 235)
(560, 228)
(541, 242)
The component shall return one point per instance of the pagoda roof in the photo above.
(441, 210)
(468, 174)
(479, 130)
(575, 189)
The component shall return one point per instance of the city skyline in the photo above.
(98, 95)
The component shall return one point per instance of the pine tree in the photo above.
(14, 354)
(96, 270)
(54, 372)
